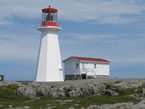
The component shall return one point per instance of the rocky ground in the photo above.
(80, 88)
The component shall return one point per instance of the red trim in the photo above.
(91, 59)
(49, 9)
(49, 23)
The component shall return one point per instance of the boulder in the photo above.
(92, 107)
(79, 92)
(26, 91)
(143, 90)
(33, 98)
(57, 94)
(84, 90)
(76, 92)
(61, 89)
(129, 84)
(72, 93)
(101, 88)
(121, 85)
(35, 85)
(44, 90)
(141, 105)
(70, 88)
(30, 92)
(21, 90)
(64, 101)
(110, 92)
(91, 88)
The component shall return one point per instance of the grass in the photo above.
(7, 98)
(122, 91)
(84, 102)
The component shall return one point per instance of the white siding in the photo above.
(70, 67)
(101, 68)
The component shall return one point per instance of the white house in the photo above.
(76, 68)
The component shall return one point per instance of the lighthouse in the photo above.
(49, 66)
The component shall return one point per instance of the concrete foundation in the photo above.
(72, 77)
(79, 77)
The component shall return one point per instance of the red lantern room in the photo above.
(49, 17)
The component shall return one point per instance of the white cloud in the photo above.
(100, 11)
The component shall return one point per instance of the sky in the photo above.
(110, 29)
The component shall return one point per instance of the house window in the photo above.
(94, 65)
(77, 65)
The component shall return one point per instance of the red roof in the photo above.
(90, 59)
(49, 9)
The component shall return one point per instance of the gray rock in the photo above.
(129, 84)
(30, 92)
(106, 106)
(76, 92)
(136, 90)
(132, 95)
(54, 95)
(27, 107)
(34, 98)
(110, 92)
(84, 90)
(76, 105)
(21, 90)
(61, 89)
(141, 104)
(91, 88)
(101, 88)
(35, 85)
(61, 94)
(57, 92)
(70, 88)
(44, 90)
(71, 108)
(92, 107)
(64, 101)
(72, 93)
(26, 91)
(143, 90)
(10, 106)
(52, 107)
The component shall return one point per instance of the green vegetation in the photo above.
(8, 98)
(125, 91)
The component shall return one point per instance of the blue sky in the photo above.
(108, 29)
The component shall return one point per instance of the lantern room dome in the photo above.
(49, 9)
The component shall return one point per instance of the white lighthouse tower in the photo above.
(49, 66)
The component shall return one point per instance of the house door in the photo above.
(83, 76)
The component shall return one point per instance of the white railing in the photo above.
(88, 70)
